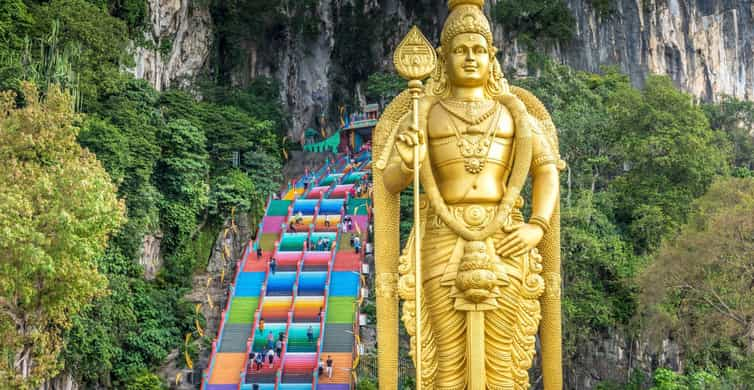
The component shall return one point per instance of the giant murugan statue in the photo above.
(477, 279)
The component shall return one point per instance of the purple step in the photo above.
(339, 386)
(222, 387)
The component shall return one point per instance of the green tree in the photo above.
(99, 41)
(670, 156)
(260, 99)
(57, 209)
(589, 139)
(265, 170)
(699, 288)
(131, 329)
(15, 21)
(383, 86)
(145, 380)
(599, 292)
(548, 20)
(134, 12)
(232, 190)
(736, 119)
(227, 128)
(109, 144)
(182, 169)
(126, 141)
(182, 175)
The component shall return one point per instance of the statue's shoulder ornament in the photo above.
(542, 127)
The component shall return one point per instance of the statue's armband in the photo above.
(542, 152)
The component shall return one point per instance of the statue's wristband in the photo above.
(541, 222)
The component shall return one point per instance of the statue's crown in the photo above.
(466, 16)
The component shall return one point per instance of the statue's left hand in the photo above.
(522, 239)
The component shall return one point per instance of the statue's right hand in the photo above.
(407, 140)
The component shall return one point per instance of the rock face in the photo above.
(613, 358)
(150, 255)
(705, 46)
(178, 43)
(63, 381)
(303, 68)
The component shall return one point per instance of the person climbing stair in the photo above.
(356, 244)
(329, 366)
(270, 356)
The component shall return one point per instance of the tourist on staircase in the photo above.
(270, 356)
(356, 244)
(329, 366)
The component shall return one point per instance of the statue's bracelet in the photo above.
(541, 222)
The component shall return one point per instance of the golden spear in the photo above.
(415, 60)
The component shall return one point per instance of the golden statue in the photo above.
(483, 280)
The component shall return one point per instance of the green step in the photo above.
(297, 333)
(353, 177)
(242, 310)
(345, 242)
(292, 243)
(340, 310)
(260, 339)
(267, 241)
(278, 208)
(302, 348)
(357, 206)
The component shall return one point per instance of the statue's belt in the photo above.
(473, 217)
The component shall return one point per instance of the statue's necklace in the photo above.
(473, 145)
(469, 111)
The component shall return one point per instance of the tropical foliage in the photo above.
(58, 208)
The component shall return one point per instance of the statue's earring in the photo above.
(437, 74)
(440, 82)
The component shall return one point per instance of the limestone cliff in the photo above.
(177, 43)
(706, 46)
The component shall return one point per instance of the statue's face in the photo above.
(468, 60)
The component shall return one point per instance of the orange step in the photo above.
(341, 368)
(228, 368)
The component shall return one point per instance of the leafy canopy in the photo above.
(57, 210)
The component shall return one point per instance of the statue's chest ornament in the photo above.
(474, 144)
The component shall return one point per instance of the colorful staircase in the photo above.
(312, 297)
